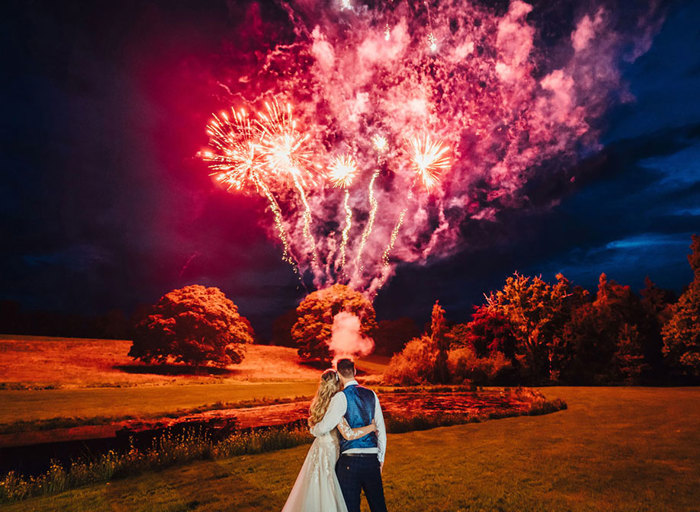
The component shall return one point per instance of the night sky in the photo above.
(105, 204)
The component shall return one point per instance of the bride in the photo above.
(316, 488)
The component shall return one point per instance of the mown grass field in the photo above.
(89, 378)
(36, 362)
(145, 401)
(613, 449)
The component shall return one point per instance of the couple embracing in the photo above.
(347, 455)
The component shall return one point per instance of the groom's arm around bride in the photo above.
(362, 459)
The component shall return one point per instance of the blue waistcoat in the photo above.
(360, 413)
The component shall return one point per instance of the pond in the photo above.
(399, 403)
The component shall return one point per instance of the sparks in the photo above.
(238, 161)
(392, 240)
(237, 158)
(380, 143)
(288, 157)
(346, 229)
(432, 42)
(423, 97)
(374, 204)
(284, 146)
(343, 171)
(279, 224)
(429, 160)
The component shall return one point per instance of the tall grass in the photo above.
(170, 449)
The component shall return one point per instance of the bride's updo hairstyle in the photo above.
(329, 386)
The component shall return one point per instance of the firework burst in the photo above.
(411, 95)
(380, 143)
(429, 159)
(343, 171)
(237, 158)
(284, 146)
(289, 159)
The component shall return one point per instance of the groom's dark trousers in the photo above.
(356, 473)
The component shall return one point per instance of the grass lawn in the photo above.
(622, 449)
(31, 405)
(91, 378)
(35, 362)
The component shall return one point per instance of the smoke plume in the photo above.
(346, 340)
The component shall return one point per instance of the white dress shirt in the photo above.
(337, 409)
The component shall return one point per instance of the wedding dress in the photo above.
(316, 488)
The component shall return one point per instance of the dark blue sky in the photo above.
(104, 204)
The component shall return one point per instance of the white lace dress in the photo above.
(316, 488)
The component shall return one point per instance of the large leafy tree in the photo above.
(607, 339)
(193, 325)
(682, 332)
(313, 328)
(415, 364)
(487, 332)
(537, 313)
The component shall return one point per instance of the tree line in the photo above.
(536, 332)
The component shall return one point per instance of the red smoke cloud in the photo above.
(453, 71)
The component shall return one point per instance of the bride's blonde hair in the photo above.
(329, 386)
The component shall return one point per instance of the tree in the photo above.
(629, 359)
(193, 325)
(657, 304)
(488, 331)
(657, 301)
(537, 312)
(312, 330)
(694, 256)
(605, 340)
(682, 332)
(438, 331)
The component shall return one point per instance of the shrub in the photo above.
(464, 365)
(415, 364)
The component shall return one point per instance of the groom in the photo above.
(361, 460)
